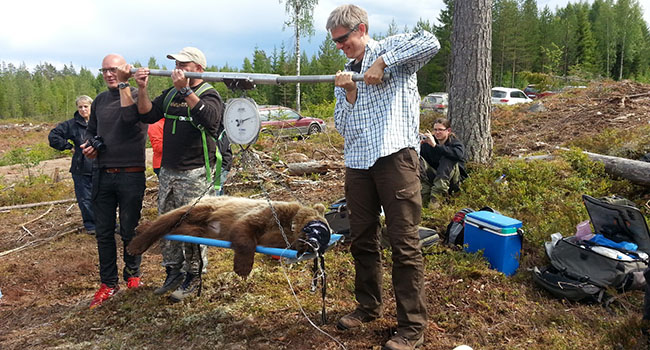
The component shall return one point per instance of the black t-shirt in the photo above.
(356, 66)
(182, 142)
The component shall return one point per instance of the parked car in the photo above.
(437, 102)
(533, 92)
(284, 121)
(509, 96)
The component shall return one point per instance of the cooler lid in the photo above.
(494, 221)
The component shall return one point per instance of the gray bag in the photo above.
(586, 261)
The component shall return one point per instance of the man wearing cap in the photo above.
(193, 111)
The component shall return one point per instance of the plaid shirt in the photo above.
(385, 118)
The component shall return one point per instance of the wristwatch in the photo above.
(185, 91)
(123, 85)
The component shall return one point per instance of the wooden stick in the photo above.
(36, 242)
(31, 205)
(39, 217)
(26, 230)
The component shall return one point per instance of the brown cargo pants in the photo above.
(392, 183)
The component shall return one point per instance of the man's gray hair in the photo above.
(83, 98)
(347, 16)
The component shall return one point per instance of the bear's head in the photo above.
(310, 225)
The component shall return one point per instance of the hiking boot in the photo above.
(434, 204)
(191, 285)
(173, 280)
(103, 294)
(133, 282)
(398, 342)
(354, 320)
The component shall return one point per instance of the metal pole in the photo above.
(256, 78)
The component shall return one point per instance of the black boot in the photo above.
(191, 285)
(174, 279)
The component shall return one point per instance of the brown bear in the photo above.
(244, 222)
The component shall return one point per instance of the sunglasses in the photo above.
(343, 38)
(106, 70)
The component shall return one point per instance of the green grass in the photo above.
(31, 156)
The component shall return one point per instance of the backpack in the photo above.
(566, 287)
(455, 232)
(581, 270)
(338, 219)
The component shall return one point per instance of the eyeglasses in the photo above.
(439, 130)
(343, 38)
(106, 70)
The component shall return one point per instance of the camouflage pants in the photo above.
(435, 185)
(178, 188)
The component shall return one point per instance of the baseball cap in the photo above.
(190, 54)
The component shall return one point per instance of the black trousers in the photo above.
(110, 192)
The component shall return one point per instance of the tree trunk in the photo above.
(470, 88)
(636, 171)
(620, 71)
(297, 60)
(312, 167)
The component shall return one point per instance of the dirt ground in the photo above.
(577, 113)
(35, 243)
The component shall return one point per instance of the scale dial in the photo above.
(242, 121)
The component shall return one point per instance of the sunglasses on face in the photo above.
(343, 38)
(108, 70)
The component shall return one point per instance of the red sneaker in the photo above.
(103, 294)
(133, 282)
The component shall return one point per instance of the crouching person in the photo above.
(442, 164)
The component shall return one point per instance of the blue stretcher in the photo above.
(290, 255)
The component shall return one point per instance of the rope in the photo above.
(247, 160)
(318, 270)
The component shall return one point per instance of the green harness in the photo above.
(206, 156)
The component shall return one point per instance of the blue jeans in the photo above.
(83, 186)
(110, 191)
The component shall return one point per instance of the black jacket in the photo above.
(75, 130)
(182, 142)
(120, 127)
(452, 151)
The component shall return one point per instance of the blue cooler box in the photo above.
(497, 236)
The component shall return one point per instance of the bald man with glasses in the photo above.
(116, 138)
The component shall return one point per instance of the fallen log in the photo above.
(31, 205)
(636, 171)
(312, 167)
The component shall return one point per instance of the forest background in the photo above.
(577, 43)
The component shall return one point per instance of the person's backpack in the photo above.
(455, 232)
(337, 217)
(581, 266)
(566, 287)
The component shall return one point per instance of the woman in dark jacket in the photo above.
(81, 168)
(442, 162)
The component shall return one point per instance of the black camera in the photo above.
(98, 143)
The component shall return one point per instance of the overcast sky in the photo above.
(82, 32)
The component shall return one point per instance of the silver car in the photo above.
(437, 102)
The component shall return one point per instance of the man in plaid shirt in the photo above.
(379, 121)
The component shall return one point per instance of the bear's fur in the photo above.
(244, 222)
